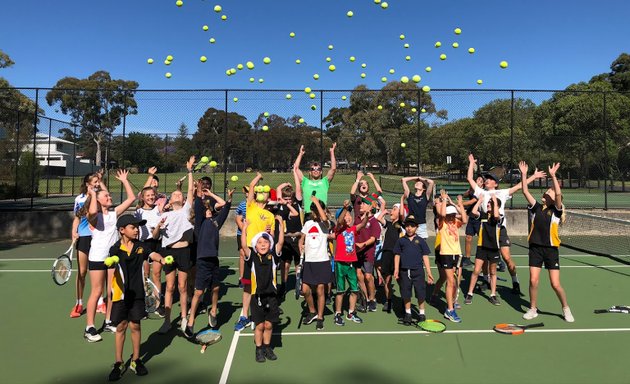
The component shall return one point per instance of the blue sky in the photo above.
(548, 44)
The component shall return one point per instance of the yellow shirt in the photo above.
(258, 219)
(449, 238)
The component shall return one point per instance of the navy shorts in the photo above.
(447, 261)
(207, 273)
(472, 227)
(504, 239)
(319, 272)
(387, 263)
(412, 278)
(181, 262)
(264, 308)
(291, 250)
(131, 310)
(487, 254)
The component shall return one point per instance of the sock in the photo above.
(100, 301)
(421, 311)
(258, 347)
(266, 346)
(515, 279)
(90, 326)
(408, 310)
(108, 321)
(80, 301)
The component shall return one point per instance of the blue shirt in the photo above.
(240, 211)
(84, 226)
(411, 252)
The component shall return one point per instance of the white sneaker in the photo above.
(184, 324)
(108, 327)
(166, 326)
(568, 316)
(531, 313)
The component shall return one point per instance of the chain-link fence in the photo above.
(51, 138)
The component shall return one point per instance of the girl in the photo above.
(544, 241)
(82, 236)
(104, 235)
(393, 231)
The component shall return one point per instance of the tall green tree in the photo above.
(209, 140)
(182, 146)
(97, 103)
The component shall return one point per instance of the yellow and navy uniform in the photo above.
(489, 232)
(544, 224)
(264, 306)
(128, 283)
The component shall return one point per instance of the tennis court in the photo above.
(43, 345)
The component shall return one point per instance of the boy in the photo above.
(409, 270)
(393, 231)
(128, 292)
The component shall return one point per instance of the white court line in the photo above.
(230, 357)
(473, 331)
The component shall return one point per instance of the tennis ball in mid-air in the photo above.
(416, 78)
(258, 188)
(426, 88)
(414, 110)
(443, 57)
(212, 40)
(363, 65)
(455, 45)
(265, 128)
(204, 159)
(223, 17)
(402, 104)
(266, 188)
(288, 96)
(471, 50)
(179, 3)
(311, 95)
(266, 60)
(479, 81)
(266, 114)
(363, 75)
(407, 57)
(428, 69)
(379, 107)
(298, 61)
(249, 65)
(344, 97)
(349, 13)
(403, 145)
(328, 59)
(503, 64)
(251, 79)
(330, 47)
(239, 67)
(234, 178)
(235, 99)
(457, 31)
(108, 261)
(232, 70)
(167, 62)
(169, 259)
(213, 164)
(203, 59)
(332, 68)
(404, 79)
(307, 90)
(227, 72)
(301, 120)
(168, 75)
(316, 76)
(406, 45)
(313, 107)
(205, 28)
(169, 58)
(384, 79)
(377, 1)
(149, 61)
(423, 110)
(292, 34)
(261, 80)
(402, 37)
(384, 5)
(218, 8)
(352, 58)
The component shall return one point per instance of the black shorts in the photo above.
(472, 228)
(504, 239)
(318, 272)
(539, 254)
(193, 254)
(238, 242)
(207, 273)
(181, 262)
(97, 266)
(291, 250)
(487, 254)
(83, 244)
(447, 261)
(409, 278)
(264, 308)
(387, 263)
(131, 310)
(364, 265)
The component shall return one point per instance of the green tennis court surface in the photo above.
(41, 344)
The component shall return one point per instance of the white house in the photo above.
(57, 154)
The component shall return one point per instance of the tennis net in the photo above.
(603, 234)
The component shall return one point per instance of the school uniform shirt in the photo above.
(152, 216)
(485, 196)
(240, 211)
(128, 281)
(411, 251)
(418, 207)
(84, 225)
(176, 223)
(259, 219)
(345, 250)
(291, 224)
(315, 242)
(393, 232)
(544, 225)
(488, 231)
(449, 237)
(371, 229)
(208, 240)
(263, 269)
(319, 186)
(104, 235)
(199, 205)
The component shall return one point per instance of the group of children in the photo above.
(366, 244)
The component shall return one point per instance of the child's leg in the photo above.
(407, 304)
(369, 285)
(554, 279)
(438, 284)
(193, 307)
(268, 327)
(450, 287)
(82, 266)
(258, 334)
(361, 281)
(286, 266)
(308, 296)
(475, 275)
(121, 331)
(339, 302)
(136, 338)
(97, 278)
(507, 257)
(534, 277)
(168, 297)
(156, 276)
(110, 276)
(247, 299)
(493, 279)
(388, 287)
(182, 285)
(215, 300)
(468, 246)
(321, 300)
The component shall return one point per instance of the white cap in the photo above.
(266, 236)
(451, 210)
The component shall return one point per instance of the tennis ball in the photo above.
(423, 110)
(234, 178)
(428, 69)
(455, 45)
(266, 114)
(169, 259)
(407, 57)
(403, 145)
(332, 68)
(179, 3)
(344, 97)
(426, 88)
(503, 64)
(288, 96)
(292, 34)
(377, 1)
(391, 71)
(328, 59)
(227, 72)
(218, 8)
(479, 81)
(349, 13)
(168, 75)
(330, 47)
(352, 58)
(203, 59)
(406, 45)
(471, 50)
(316, 76)
(239, 67)
(204, 159)
(404, 79)
(116, 259)
(298, 61)
(169, 58)
(384, 5)
(313, 107)
(258, 188)
(260, 198)
(307, 90)
(213, 164)
(167, 62)
(249, 65)
(232, 70)
(402, 104)
(363, 65)
(438, 44)
(251, 79)
(384, 79)
(108, 261)
(301, 121)
(149, 61)
(416, 78)
(380, 107)
(212, 40)
(265, 128)
(261, 80)
(363, 75)
(266, 60)
(205, 28)
(235, 99)
(402, 37)
(266, 188)
(223, 17)
(443, 57)
(414, 110)
(311, 95)
(457, 31)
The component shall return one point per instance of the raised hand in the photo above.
(190, 163)
(471, 159)
(152, 171)
(230, 192)
(332, 149)
(523, 167)
(460, 200)
(539, 174)
(360, 175)
(121, 175)
(553, 169)
(301, 150)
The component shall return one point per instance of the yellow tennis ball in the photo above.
(235, 99)
(234, 178)
(213, 164)
(402, 37)
(298, 61)
(332, 68)
(407, 57)
(179, 3)
(169, 259)
(115, 259)
(288, 96)
(457, 31)
(265, 128)
(316, 76)
(227, 72)
(266, 60)
(239, 67)
(261, 80)
(328, 59)
(403, 145)
(258, 188)
(292, 34)
(428, 69)
(307, 90)
(301, 121)
(266, 114)
(416, 78)
(223, 17)
(423, 110)
(455, 45)
(438, 44)
(212, 40)
(311, 95)
(384, 79)
(349, 13)
(479, 81)
(384, 5)
(402, 104)
(168, 75)
(260, 198)
(414, 110)
(426, 88)
(380, 107)
(149, 61)
(363, 75)
(377, 1)
(249, 65)
(406, 45)
(330, 47)
(167, 62)
(204, 159)
(232, 70)
(313, 107)
(443, 57)
(108, 261)
(203, 59)
(205, 28)
(391, 71)
(218, 8)
(404, 79)
(344, 97)
(503, 64)
(471, 50)
(352, 58)
(251, 79)
(266, 188)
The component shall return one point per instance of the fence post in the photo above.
(48, 157)
(225, 132)
(606, 163)
(321, 130)
(74, 157)
(418, 135)
(165, 162)
(124, 127)
(17, 157)
(511, 142)
(34, 145)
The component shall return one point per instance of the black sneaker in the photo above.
(494, 300)
(501, 266)
(422, 317)
(468, 299)
(268, 353)
(372, 306)
(309, 318)
(138, 367)
(260, 355)
(117, 371)
(91, 335)
(352, 316)
(407, 320)
(320, 324)
(388, 306)
(339, 319)
(360, 308)
(188, 333)
(466, 262)
(516, 288)
(160, 312)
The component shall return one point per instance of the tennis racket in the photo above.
(499, 172)
(207, 337)
(515, 329)
(62, 267)
(298, 278)
(433, 326)
(151, 295)
(615, 309)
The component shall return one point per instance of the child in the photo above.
(409, 269)
(315, 182)
(419, 201)
(544, 241)
(262, 260)
(128, 292)
(292, 217)
(472, 227)
(393, 231)
(208, 258)
(487, 248)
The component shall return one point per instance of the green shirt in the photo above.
(321, 191)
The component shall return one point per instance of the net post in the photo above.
(35, 117)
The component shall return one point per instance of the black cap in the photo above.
(489, 175)
(125, 220)
(411, 219)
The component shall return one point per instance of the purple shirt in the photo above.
(372, 229)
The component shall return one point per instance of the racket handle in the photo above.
(203, 348)
(600, 311)
(536, 325)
